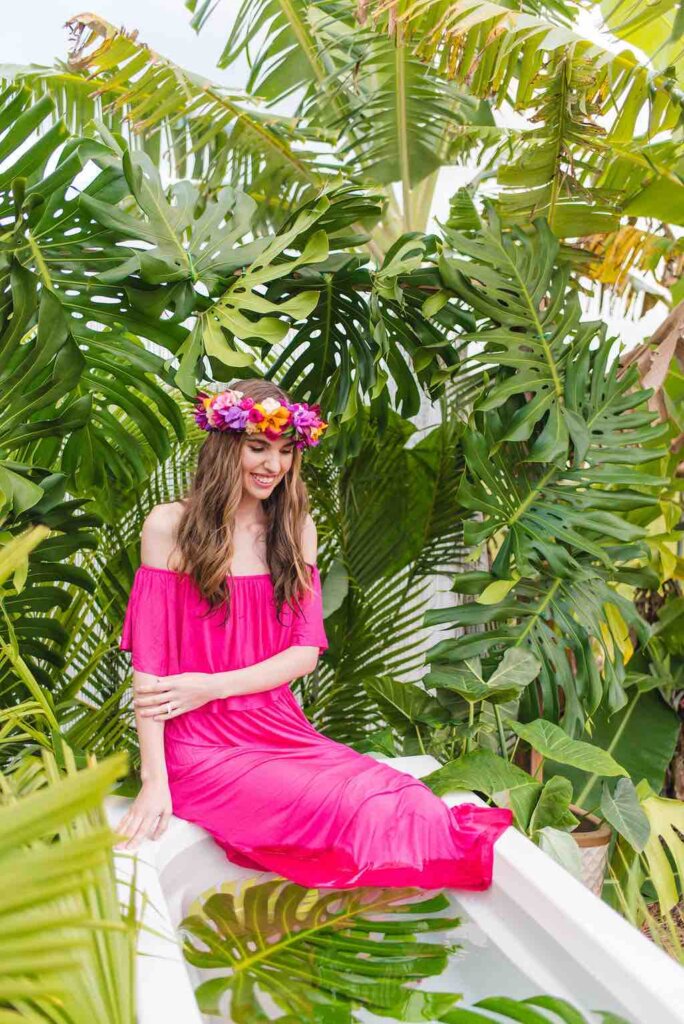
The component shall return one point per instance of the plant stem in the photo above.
(611, 747)
(471, 723)
(499, 726)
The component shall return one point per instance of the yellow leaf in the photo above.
(620, 631)
(495, 592)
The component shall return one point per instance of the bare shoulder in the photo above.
(158, 536)
(309, 540)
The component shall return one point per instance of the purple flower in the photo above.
(233, 417)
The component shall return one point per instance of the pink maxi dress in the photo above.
(273, 792)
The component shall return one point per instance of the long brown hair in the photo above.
(204, 537)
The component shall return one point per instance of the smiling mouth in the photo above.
(264, 481)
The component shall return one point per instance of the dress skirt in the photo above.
(277, 795)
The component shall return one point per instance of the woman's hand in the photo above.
(148, 816)
(164, 697)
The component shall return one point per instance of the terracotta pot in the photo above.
(592, 836)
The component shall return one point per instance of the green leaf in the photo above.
(404, 705)
(518, 667)
(666, 820)
(622, 810)
(355, 947)
(495, 591)
(562, 848)
(486, 772)
(550, 741)
(553, 807)
(621, 735)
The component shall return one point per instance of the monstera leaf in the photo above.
(547, 615)
(71, 364)
(353, 950)
(346, 948)
(530, 321)
(525, 1011)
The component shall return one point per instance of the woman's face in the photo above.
(265, 463)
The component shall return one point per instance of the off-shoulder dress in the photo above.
(274, 793)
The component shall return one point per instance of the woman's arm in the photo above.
(265, 675)
(150, 737)
(150, 812)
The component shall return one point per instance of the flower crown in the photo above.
(232, 410)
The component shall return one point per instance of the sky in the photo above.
(34, 32)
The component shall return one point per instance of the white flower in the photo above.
(270, 405)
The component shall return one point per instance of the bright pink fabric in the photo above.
(275, 793)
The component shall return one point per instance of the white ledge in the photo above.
(559, 935)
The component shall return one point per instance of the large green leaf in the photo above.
(550, 741)
(547, 615)
(553, 807)
(666, 820)
(530, 322)
(72, 366)
(621, 735)
(404, 705)
(488, 773)
(348, 948)
(517, 669)
(624, 812)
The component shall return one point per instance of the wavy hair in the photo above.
(204, 537)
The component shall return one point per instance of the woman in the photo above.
(225, 612)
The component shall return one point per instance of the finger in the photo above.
(155, 698)
(131, 824)
(161, 715)
(159, 711)
(125, 824)
(141, 832)
(162, 824)
(150, 692)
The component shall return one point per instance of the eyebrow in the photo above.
(258, 440)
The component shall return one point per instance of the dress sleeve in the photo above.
(308, 629)
(150, 627)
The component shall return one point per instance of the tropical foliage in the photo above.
(353, 950)
(64, 937)
(159, 231)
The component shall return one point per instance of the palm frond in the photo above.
(184, 122)
(64, 935)
(586, 105)
(386, 526)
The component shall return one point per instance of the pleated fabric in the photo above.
(273, 792)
